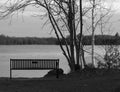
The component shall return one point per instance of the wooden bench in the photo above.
(34, 64)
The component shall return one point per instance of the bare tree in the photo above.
(63, 15)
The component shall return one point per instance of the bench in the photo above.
(34, 64)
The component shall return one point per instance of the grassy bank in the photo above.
(70, 83)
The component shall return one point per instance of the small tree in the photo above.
(98, 12)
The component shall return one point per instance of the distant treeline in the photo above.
(102, 40)
(6, 40)
(99, 40)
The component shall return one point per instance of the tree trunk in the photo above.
(81, 34)
(71, 28)
(93, 30)
(83, 58)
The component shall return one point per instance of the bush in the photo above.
(101, 65)
(111, 57)
(77, 67)
(53, 73)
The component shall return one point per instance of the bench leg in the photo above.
(10, 74)
(57, 73)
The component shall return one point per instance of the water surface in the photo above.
(35, 52)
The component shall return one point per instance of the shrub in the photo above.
(77, 67)
(53, 72)
(111, 58)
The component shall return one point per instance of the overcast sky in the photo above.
(32, 26)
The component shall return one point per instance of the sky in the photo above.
(26, 25)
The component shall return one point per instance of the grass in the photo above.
(74, 82)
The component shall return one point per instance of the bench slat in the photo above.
(33, 64)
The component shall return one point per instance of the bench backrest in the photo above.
(33, 64)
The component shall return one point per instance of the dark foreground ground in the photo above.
(108, 82)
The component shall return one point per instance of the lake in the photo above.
(35, 52)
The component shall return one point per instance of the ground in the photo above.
(75, 82)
